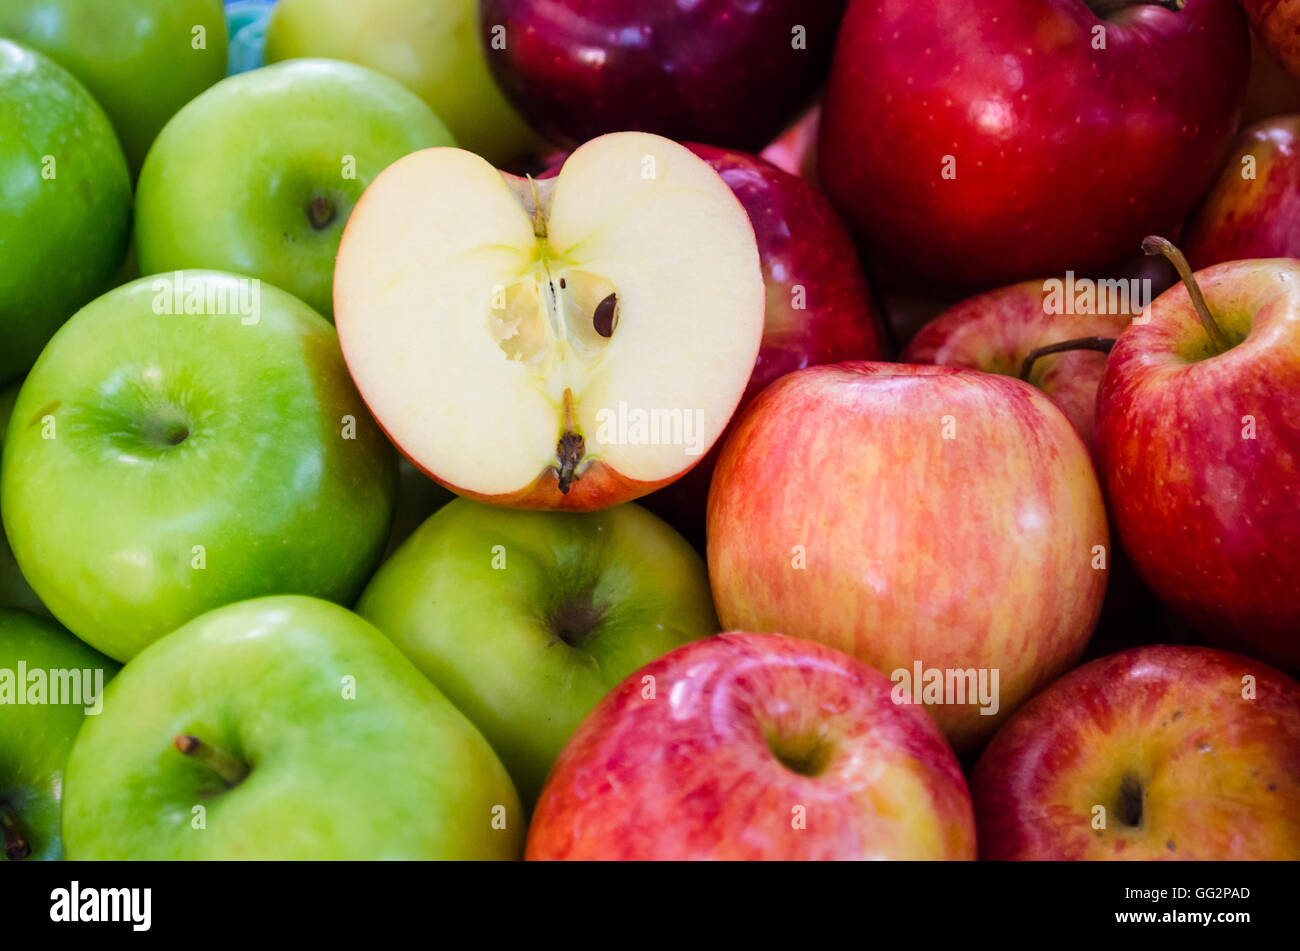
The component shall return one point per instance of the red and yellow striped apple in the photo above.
(754, 746)
(1159, 752)
(910, 514)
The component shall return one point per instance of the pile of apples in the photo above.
(329, 389)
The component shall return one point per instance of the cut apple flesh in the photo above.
(570, 342)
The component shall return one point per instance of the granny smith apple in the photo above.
(430, 46)
(15, 592)
(526, 619)
(65, 203)
(284, 728)
(49, 683)
(160, 464)
(141, 59)
(259, 174)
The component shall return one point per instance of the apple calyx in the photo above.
(229, 769)
(1154, 244)
(1129, 805)
(17, 847)
(321, 212)
(569, 450)
(1100, 344)
(1106, 8)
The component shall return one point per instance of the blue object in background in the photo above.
(246, 21)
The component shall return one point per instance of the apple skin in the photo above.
(719, 71)
(35, 740)
(1209, 517)
(1034, 117)
(966, 552)
(692, 771)
(1218, 774)
(393, 771)
(15, 592)
(527, 619)
(1272, 91)
(795, 149)
(430, 46)
(801, 244)
(63, 237)
(1242, 218)
(229, 183)
(203, 431)
(1277, 23)
(137, 57)
(996, 330)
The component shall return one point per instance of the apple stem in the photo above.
(539, 220)
(1104, 8)
(228, 768)
(1101, 344)
(570, 447)
(1154, 244)
(17, 847)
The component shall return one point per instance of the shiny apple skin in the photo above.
(1219, 774)
(995, 331)
(691, 774)
(1209, 518)
(1243, 218)
(801, 243)
(1066, 157)
(969, 552)
(1278, 24)
(719, 71)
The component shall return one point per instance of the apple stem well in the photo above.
(1100, 344)
(1154, 244)
(320, 212)
(17, 847)
(1105, 8)
(229, 769)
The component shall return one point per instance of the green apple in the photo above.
(36, 734)
(141, 59)
(431, 46)
(15, 592)
(259, 174)
(527, 619)
(65, 203)
(159, 465)
(283, 728)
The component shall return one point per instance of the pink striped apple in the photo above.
(913, 513)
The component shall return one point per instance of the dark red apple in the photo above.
(977, 144)
(754, 746)
(1253, 210)
(819, 308)
(1157, 753)
(1198, 440)
(727, 72)
(1272, 90)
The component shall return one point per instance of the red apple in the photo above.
(996, 331)
(819, 309)
(1253, 210)
(728, 72)
(1278, 24)
(909, 514)
(977, 144)
(1199, 449)
(1157, 753)
(754, 746)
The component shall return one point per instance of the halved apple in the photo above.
(562, 343)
